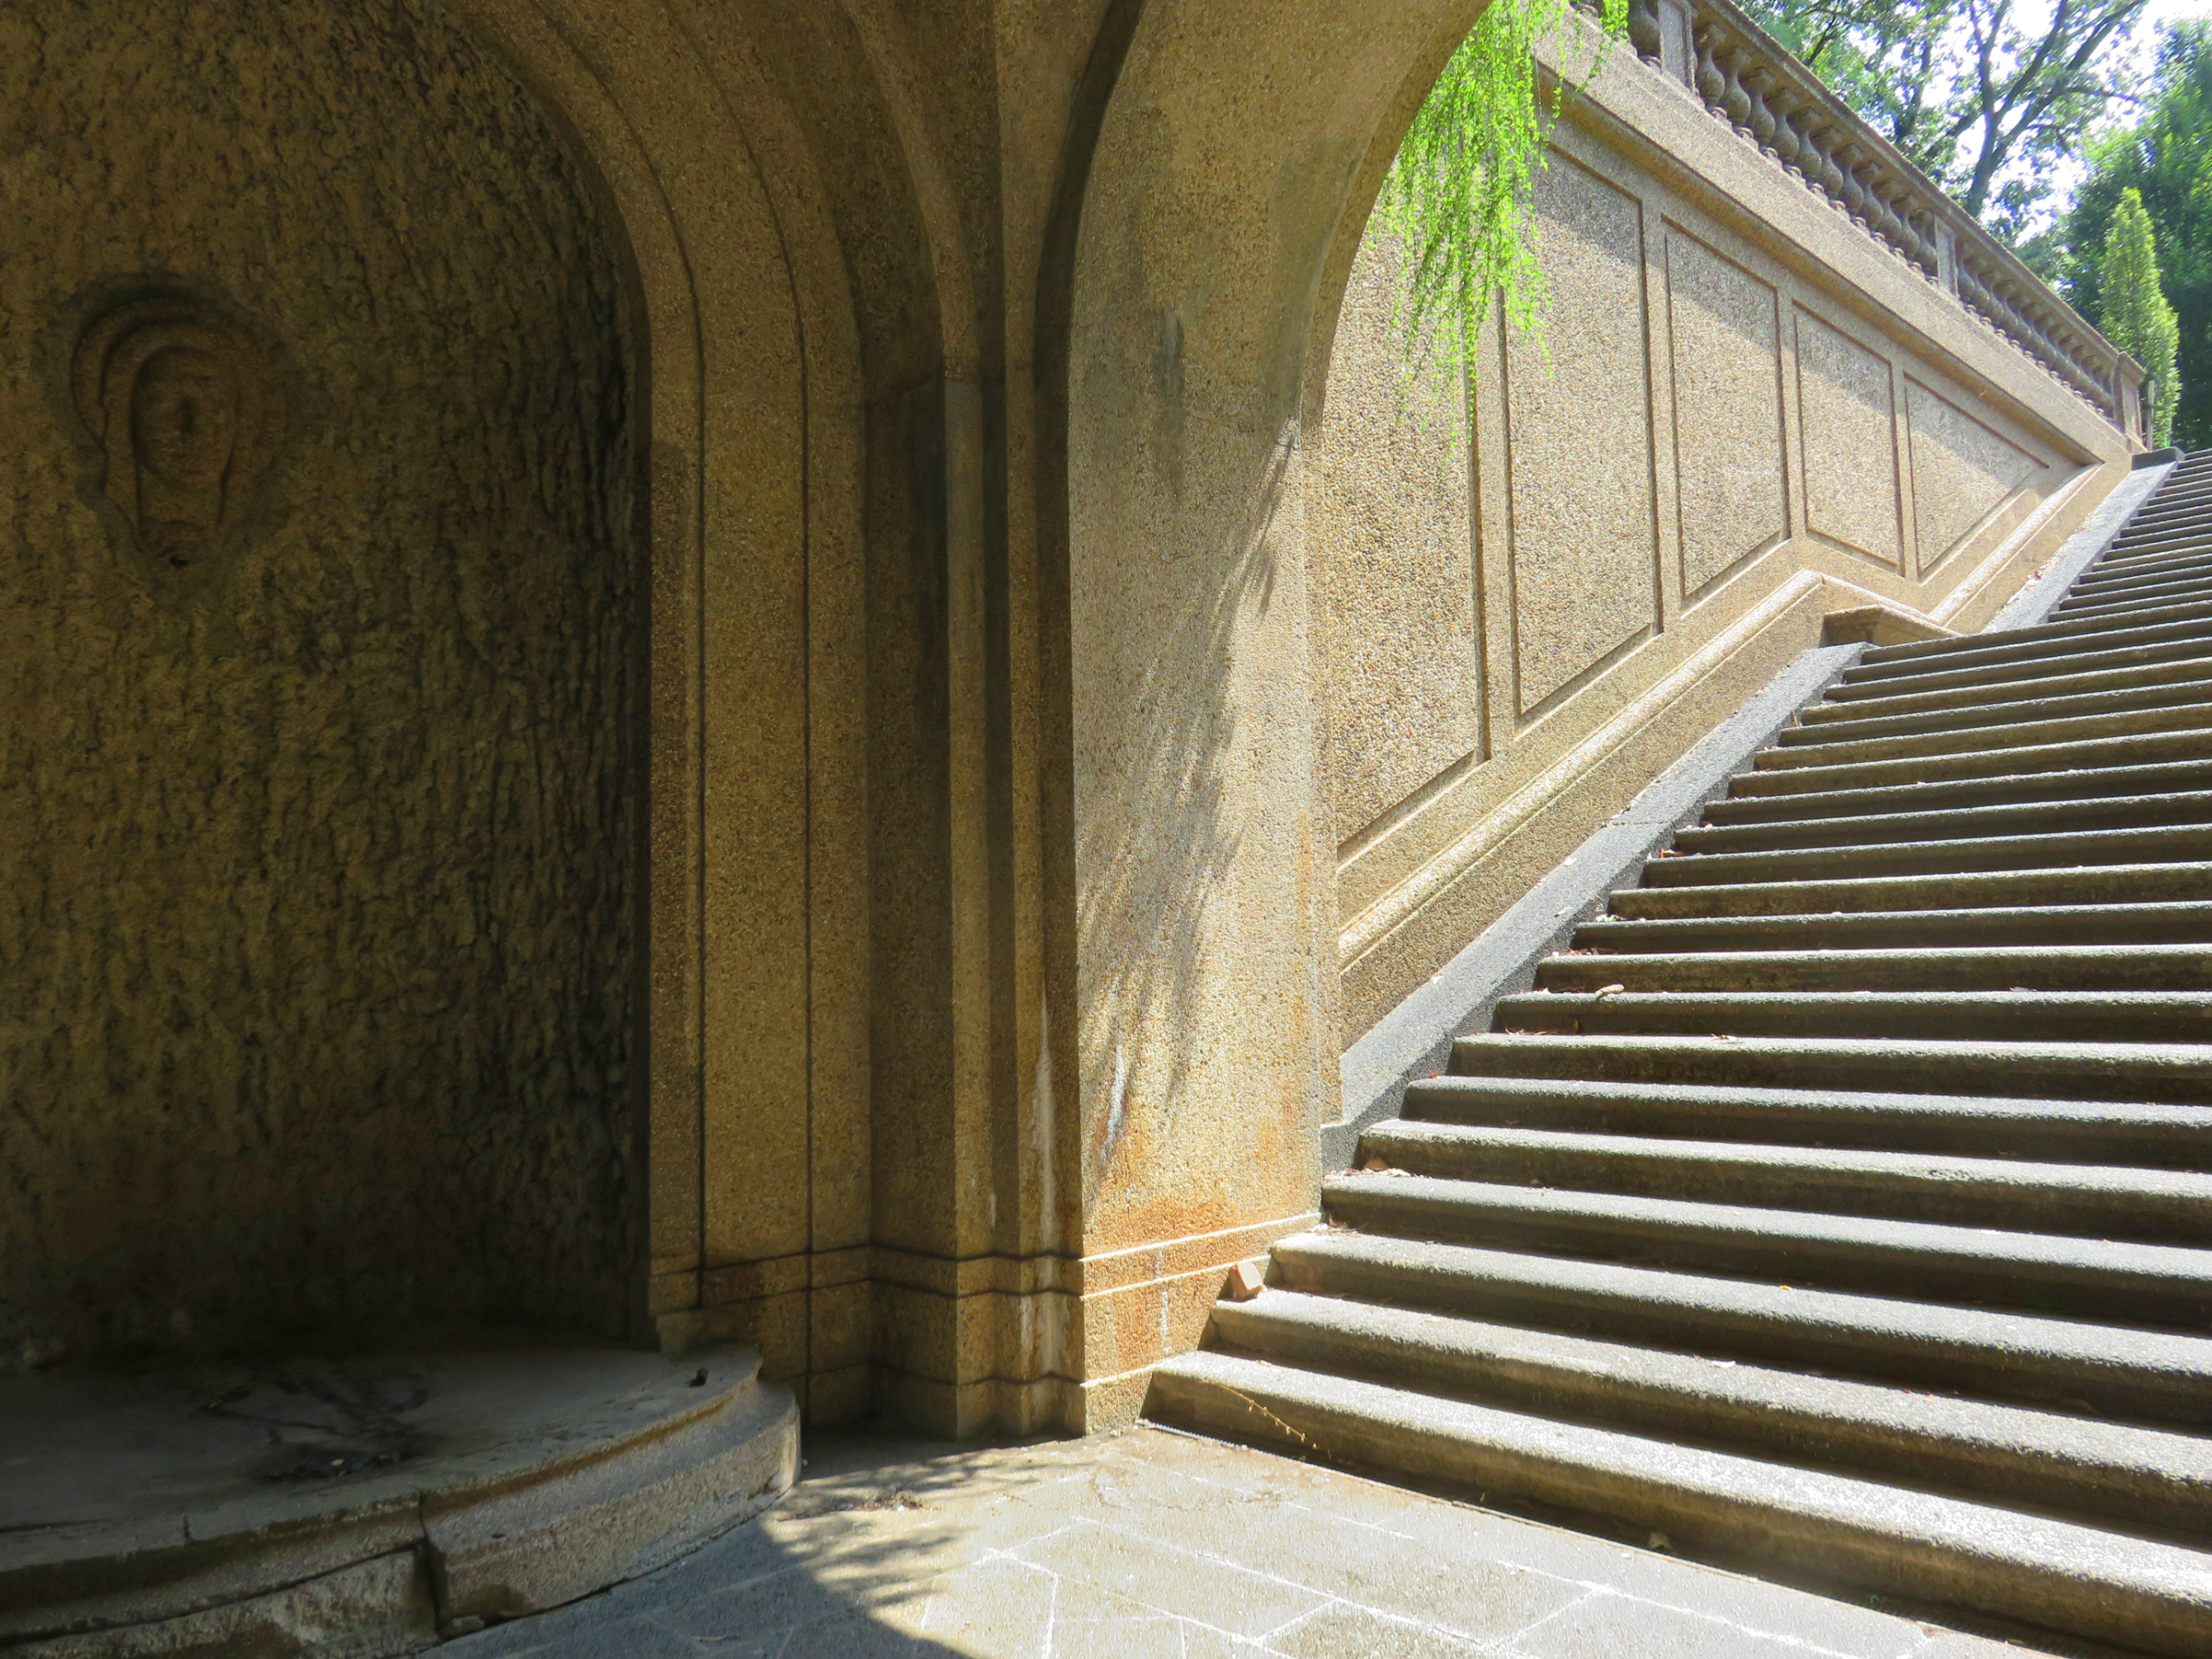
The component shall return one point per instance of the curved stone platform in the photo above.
(365, 1506)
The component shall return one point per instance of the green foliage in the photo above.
(2166, 159)
(1983, 96)
(1457, 194)
(2136, 317)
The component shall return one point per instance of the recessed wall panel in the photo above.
(1579, 424)
(1393, 557)
(1962, 470)
(1849, 418)
(1725, 325)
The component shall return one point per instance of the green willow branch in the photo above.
(1457, 195)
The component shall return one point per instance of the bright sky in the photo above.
(2156, 13)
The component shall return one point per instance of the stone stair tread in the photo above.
(2160, 1377)
(1962, 823)
(2033, 644)
(2178, 1074)
(2157, 1477)
(2101, 1201)
(2125, 1016)
(2004, 788)
(2132, 844)
(2095, 656)
(1827, 747)
(1870, 720)
(2178, 882)
(1985, 967)
(2160, 1135)
(2076, 754)
(2061, 1574)
(1836, 932)
(2158, 1284)
(2150, 675)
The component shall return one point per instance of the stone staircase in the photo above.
(1839, 1206)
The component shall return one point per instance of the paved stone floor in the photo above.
(1153, 1545)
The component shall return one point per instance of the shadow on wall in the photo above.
(1165, 815)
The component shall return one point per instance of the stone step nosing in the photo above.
(1994, 1353)
(1973, 1448)
(2154, 1596)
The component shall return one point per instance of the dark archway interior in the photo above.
(319, 628)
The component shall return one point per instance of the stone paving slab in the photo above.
(1155, 1545)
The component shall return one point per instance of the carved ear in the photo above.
(104, 374)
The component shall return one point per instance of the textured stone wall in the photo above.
(1644, 516)
(316, 851)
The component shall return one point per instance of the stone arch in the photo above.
(1234, 162)
(755, 372)
(810, 315)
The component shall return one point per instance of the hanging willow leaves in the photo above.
(1457, 195)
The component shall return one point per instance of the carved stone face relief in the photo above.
(186, 407)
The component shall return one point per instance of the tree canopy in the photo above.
(2165, 161)
(1981, 95)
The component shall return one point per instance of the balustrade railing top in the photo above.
(1748, 79)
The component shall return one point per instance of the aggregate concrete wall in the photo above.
(1727, 430)
(317, 636)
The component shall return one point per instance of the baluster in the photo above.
(1782, 102)
(1734, 99)
(1712, 86)
(1749, 72)
(1827, 174)
(1888, 224)
(1848, 189)
(1644, 29)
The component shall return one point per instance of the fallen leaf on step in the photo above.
(1609, 990)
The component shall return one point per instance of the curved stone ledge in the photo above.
(188, 1510)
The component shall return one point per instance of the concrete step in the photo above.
(2055, 647)
(2116, 1017)
(2092, 659)
(2178, 1074)
(2161, 1286)
(2141, 540)
(1861, 720)
(2075, 1200)
(1799, 774)
(2164, 844)
(2139, 1374)
(2042, 926)
(2112, 812)
(1868, 1141)
(2151, 538)
(2082, 784)
(2151, 675)
(2024, 1130)
(2106, 884)
(2153, 1596)
(2111, 1472)
(2159, 588)
(2045, 643)
(1825, 745)
(1955, 967)
(2166, 584)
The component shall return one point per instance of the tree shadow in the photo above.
(843, 1567)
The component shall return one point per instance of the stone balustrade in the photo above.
(1746, 78)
